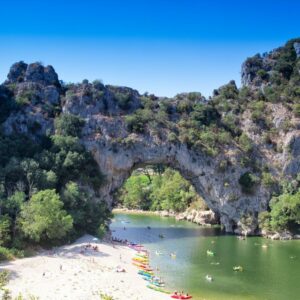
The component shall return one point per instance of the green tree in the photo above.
(5, 230)
(285, 211)
(247, 181)
(32, 174)
(68, 125)
(136, 192)
(43, 217)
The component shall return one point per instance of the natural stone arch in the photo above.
(221, 191)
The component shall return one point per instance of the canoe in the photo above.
(153, 281)
(146, 273)
(208, 278)
(142, 256)
(139, 265)
(238, 268)
(140, 259)
(159, 289)
(180, 297)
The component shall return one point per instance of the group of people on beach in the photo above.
(182, 294)
(121, 241)
(89, 247)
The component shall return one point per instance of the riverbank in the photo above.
(79, 272)
(199, 217)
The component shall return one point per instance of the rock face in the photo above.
(35, 72)
(118, 151)
(297, 48)
(206, 217)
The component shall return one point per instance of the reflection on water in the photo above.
(270, 272)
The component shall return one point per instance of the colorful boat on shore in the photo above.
(158, 289)
(182, 297)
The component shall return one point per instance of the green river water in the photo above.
(271, 273)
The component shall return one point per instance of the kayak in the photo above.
(145, 273)
(153, 281)
(143, 266)
(208, 278)
(158, 289)
(238, 268)
(142, 256)
(142, 260)
(210, 253)
(180, 297)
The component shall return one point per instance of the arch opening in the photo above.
(162, 189)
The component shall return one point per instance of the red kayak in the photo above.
(182, 297)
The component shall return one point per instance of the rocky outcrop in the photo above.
(35, 72)
(205, 217)
(297, 48)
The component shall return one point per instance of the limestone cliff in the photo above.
(119, 146)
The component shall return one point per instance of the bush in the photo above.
(5, 234)
(245, 142)
(264, 219)
(267, 179)
(263, 74)
(296, 109)
(137, 121)
(123, 100)
(248, 181)
(68, 125)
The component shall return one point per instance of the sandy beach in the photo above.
(68, 272)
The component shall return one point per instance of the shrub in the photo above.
(267, 179)
(263, 74)
(123, 100)
(264, 219)
(245, 142)
(68, 125)
(248, 181)
(296, 109)
(5, 224)
(137, 121)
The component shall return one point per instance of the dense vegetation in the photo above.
(150, 189)
(42, 189)
(284, 211)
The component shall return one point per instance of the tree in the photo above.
(5, 236)
(88, 215)
(285, 212)
(69, 125)
(32, 173)
(247, 181)
(43, 217)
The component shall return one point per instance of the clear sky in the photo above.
(159, 46)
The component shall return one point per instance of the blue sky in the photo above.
(159, 46)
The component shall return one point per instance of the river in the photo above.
(271, 272)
